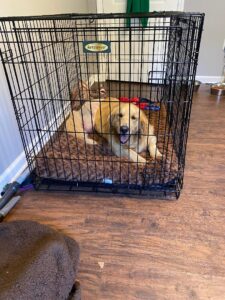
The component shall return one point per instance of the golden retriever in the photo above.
(127, 129)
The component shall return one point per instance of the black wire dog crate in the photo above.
(83, 88)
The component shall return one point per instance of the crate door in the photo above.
(137, 53)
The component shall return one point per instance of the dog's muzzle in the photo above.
(124, 134)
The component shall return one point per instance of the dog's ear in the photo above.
(112, 114)
(143, 125)
(111, 117)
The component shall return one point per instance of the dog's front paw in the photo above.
(90, 141)
(158, 154)
(141, 160)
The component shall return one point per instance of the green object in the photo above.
(138, 6)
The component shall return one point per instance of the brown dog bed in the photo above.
(66, 158)
(37, 262)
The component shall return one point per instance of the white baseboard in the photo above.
(209, 79)
(14, 170)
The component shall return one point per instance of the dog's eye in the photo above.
(120, 115)
(133, 118)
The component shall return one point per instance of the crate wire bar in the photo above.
(45, 60)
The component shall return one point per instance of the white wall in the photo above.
(211, 54)
(12, 158)
(41, 7)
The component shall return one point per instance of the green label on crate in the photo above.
(97, 47)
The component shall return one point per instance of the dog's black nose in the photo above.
(124, 129)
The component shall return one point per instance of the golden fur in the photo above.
(111, 115)
(81, 122)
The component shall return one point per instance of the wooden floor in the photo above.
(151, 250)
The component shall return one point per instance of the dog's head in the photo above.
(126, 120)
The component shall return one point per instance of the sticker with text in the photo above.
(97, 47)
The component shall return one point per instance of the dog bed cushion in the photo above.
(67, 158)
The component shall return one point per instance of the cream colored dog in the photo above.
(127, 129)
(81, 122)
